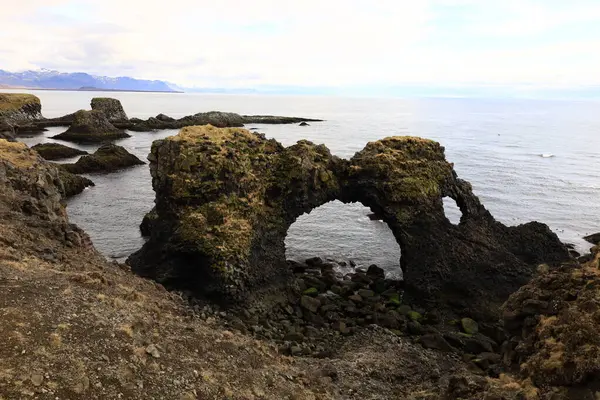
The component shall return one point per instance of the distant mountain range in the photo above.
(49, 79)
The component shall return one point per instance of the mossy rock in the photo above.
(414, 316)
(469, 326)
(17, 108)
(56, 151)
(91, 127)
(225, 199)
(311, 291)
(108, 158)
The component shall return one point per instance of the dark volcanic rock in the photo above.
(56, 151)
(165, 118)
(274, 119)
(593, 239)
(304, 124)
(108, 158)
(112, 108)
(226, 198)
(91, 126)
(148, 222)
(72, 184)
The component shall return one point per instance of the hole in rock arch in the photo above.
(344, 232)
(451, 210)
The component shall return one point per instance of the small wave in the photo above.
(546, 155)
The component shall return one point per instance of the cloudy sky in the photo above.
(341, 43)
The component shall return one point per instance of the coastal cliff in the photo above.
(17, 112)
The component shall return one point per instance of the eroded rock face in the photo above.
(108, 158)
(554, 322)
(56, 151)
(18, 108)
(91, 126)
(112, 108)
(226, 198)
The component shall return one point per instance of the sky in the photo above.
(310, 43)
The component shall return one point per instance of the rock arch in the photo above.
(225, 198)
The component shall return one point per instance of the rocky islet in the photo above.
(108, 158)
(57, 151)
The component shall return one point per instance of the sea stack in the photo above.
(112, 108)
(91, 126)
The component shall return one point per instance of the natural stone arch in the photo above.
(226, 198)
(348, 234)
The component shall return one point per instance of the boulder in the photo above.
(112, 108)
(304, 124)
(225, 199)
(108, 158)
(91, 126)
(56, 151)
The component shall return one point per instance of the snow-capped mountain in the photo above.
(48, 79)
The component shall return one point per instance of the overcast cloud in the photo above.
(233, 43)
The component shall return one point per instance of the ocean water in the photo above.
(526, 159)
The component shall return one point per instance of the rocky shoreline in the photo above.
(484, 311)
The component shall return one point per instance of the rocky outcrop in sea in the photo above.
(57, 151)
(108, 158)
(112, 108)
(115, 114)
(91, 127)
(225, 199)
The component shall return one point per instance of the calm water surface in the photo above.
(527, 160)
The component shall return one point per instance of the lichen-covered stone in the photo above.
(554, 322)
(108, 158)
(226, 198)
(56, 151)
(112, 108)
(91, 126)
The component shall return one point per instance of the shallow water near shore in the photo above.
(527, 160)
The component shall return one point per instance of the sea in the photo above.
(527, 160)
